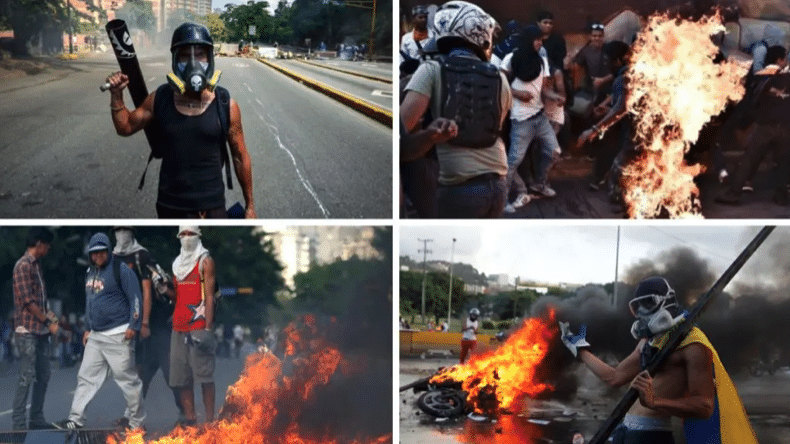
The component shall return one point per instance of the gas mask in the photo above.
(653, 315)
(191, 74)
(189, 242)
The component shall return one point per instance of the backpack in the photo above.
(158, 149)
(471, 95)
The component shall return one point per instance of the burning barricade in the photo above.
(289, 400)
(493, 383)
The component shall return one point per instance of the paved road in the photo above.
(766, 399)
(312, 157)
(108, 404)
(373, 91)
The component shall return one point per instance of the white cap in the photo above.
(184, 228)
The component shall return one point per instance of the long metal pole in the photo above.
(678, 335)
(616, 268)
(450, 294)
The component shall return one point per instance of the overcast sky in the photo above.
(578, 254)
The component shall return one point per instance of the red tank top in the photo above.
(189, 313)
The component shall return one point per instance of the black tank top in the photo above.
(190, 177)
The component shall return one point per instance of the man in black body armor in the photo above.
(465, 88)
(197, 118)
(152, 347)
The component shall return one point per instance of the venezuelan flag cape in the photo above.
(729, 423)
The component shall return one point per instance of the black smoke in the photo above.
(744, 326)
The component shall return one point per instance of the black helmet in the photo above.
(191, 34)
(193, 76)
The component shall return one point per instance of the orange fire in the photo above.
(674, 88)
(503, 378)
(264, 405)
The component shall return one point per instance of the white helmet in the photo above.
(474, 314)
(459, 19)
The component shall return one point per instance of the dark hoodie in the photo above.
(106, 304)
(526, 62)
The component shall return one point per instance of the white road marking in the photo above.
(382, 93)
(248, 87)
(152, 79)
(305, 182)
(9, 411)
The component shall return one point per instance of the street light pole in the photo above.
(616, 268)
(450, 294)
(425, 252)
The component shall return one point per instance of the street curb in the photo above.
(366, 76)
(376, 113)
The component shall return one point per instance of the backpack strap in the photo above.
(224, 121)
(116, 271)
(159, 104)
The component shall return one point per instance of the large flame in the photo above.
(501, 379)
(674, 88)
(266, 403)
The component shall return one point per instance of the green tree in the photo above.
(243, 258)
(437, 287)
(239, 18)
(216, 26)
(29, 19)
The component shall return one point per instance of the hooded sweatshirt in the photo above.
(108, 306)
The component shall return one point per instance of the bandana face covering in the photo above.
(189, 243)
(123, 238)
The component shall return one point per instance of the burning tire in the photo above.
(442, 403)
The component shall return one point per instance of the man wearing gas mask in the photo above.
(692, 384)
(192, 342)
(197, 118)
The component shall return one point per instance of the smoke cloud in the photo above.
(744, 326)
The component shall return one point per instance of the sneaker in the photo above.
(723, 175)
(66, 424)
(543, 189)
(509, 209)
(121, 423)
(521, 200)
(40, 425)
(747, 186)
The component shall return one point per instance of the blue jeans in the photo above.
(33, 370)
(522, 133)
(481, 197)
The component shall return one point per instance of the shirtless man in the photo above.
(684, 387)
(190, 178)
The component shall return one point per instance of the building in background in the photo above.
(299, 248)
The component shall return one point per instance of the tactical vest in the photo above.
(471, 96)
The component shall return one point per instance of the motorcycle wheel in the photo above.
(441, 403)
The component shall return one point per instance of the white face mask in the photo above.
(189, 242)
(123, 238)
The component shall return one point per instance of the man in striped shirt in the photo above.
(33, 326)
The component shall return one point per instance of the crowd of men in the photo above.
(482, 124)
(138, 319)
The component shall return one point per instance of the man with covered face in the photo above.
(192, 343)
(692, 384)
(152, 349)
(197, 119)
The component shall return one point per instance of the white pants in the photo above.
(105, 354)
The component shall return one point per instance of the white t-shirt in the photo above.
(469, 335)
(409, 46)
(522, 110)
